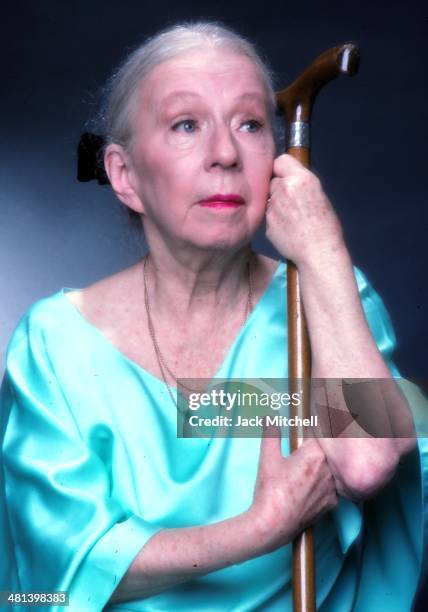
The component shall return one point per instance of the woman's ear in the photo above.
(118, 167)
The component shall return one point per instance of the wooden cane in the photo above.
(296, 102)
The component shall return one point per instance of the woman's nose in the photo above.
(222, 149)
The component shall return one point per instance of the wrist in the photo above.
(255, 530)
(314, 260)
(267, 532)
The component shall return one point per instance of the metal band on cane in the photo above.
(298, 135)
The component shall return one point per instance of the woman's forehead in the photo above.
(204, 72)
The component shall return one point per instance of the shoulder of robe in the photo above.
(44, 320)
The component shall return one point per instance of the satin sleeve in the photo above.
(392, 527)
(65, 531)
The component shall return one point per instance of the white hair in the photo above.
(122, 89)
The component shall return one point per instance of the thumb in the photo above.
(270, 448)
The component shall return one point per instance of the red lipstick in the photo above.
(221, 200)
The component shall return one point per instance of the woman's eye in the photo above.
(252, 125)
(187, 125)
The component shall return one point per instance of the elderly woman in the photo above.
(100, 497)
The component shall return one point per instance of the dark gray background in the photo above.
(369, 137)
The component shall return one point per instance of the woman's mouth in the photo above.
(220, 200)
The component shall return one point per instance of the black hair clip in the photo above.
(90, 164)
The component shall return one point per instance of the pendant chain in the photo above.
(163, 366)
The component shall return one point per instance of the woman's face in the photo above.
(203, 149)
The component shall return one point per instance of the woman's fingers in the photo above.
(286, 162)
(300, 221)
(291, 492)
(270, 448)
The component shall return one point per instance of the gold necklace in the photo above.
(163, 366)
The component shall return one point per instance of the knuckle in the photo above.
(316, 181)
(296, 184)
(317, 450)
(280, 163)
(311, 446)
(310, 176)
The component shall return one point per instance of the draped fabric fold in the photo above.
(92, 469)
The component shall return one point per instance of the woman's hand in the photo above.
(300, 221)
(292, 492)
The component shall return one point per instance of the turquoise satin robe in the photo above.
(92, 468)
